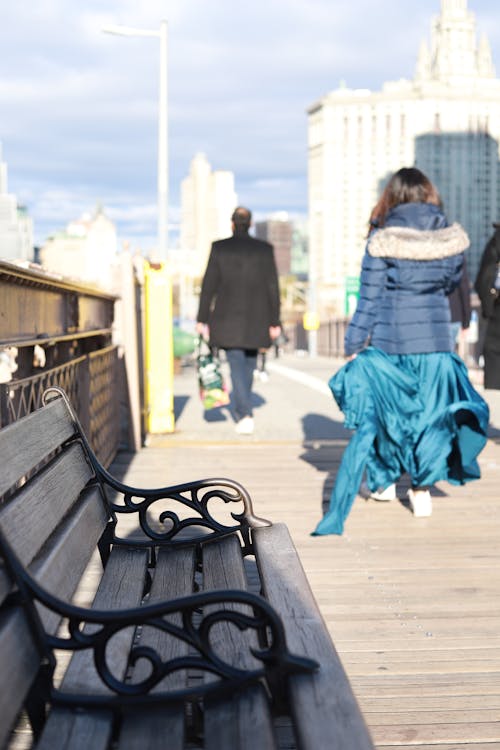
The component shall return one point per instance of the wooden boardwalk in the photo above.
(413, 605)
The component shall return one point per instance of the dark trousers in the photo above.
(242, 363)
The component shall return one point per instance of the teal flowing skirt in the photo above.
(412, 413)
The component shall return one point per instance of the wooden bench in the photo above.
(177, 649)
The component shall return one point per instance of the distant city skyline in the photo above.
(208, 199)
(78, 108)
(446, 120)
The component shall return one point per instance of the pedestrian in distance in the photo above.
(404, 391)
(487, 286)
(239, 308)
(261, 371)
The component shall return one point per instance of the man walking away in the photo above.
(240, 308)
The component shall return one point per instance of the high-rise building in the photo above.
(16, 226)
(208, 199)
(300, 250)
(446, 121)
(86, 250)
(278, 230)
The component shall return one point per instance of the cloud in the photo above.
(78, 108)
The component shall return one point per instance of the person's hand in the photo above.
(274, 332)
(351, 357)
(203, 330)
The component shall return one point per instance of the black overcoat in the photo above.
(240, 293)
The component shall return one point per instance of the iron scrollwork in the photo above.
(197, 615)
(194, 496)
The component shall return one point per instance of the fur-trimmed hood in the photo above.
(407, 243)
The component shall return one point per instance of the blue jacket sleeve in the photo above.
(373, 279)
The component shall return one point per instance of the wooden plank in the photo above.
(153, 728)
(461, 704)
(241, 721)
(77, 730)
(26, 443)
(441, 746)
(146, 729)
(442, 734)
(61, 565)
(20, 660)
(374, 666)
(32, 516)
(423, 684)
(431, 717)
(18, 655)
(325, 711)
(121, 587)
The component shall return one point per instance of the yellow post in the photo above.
(159, 348)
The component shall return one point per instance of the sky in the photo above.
(79, 108)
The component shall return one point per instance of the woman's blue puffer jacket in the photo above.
(409, 269)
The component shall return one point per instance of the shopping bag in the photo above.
(213, 390)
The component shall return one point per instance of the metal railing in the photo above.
(330, 337)
(331, 333)
(58, 331)
(90, 382)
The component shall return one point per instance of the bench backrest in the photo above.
(52, 516)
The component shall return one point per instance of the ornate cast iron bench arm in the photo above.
(195, 496)
(273, 659)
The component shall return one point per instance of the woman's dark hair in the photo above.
(407, 185)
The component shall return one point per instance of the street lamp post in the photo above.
(162, 128)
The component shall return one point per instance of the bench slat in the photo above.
(77, 731)
(325, 711)
(147, 729)
(60, 567)
(20, 660)
(121, 586)
(38, 434)
(31, 517)
(76, 541)
(153, 728)
(242, 722)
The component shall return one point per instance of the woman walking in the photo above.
(404, 391)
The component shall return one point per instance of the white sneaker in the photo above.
(420, 502)
(244, 426)
(382, 495)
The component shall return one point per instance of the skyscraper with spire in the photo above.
(446, 121)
